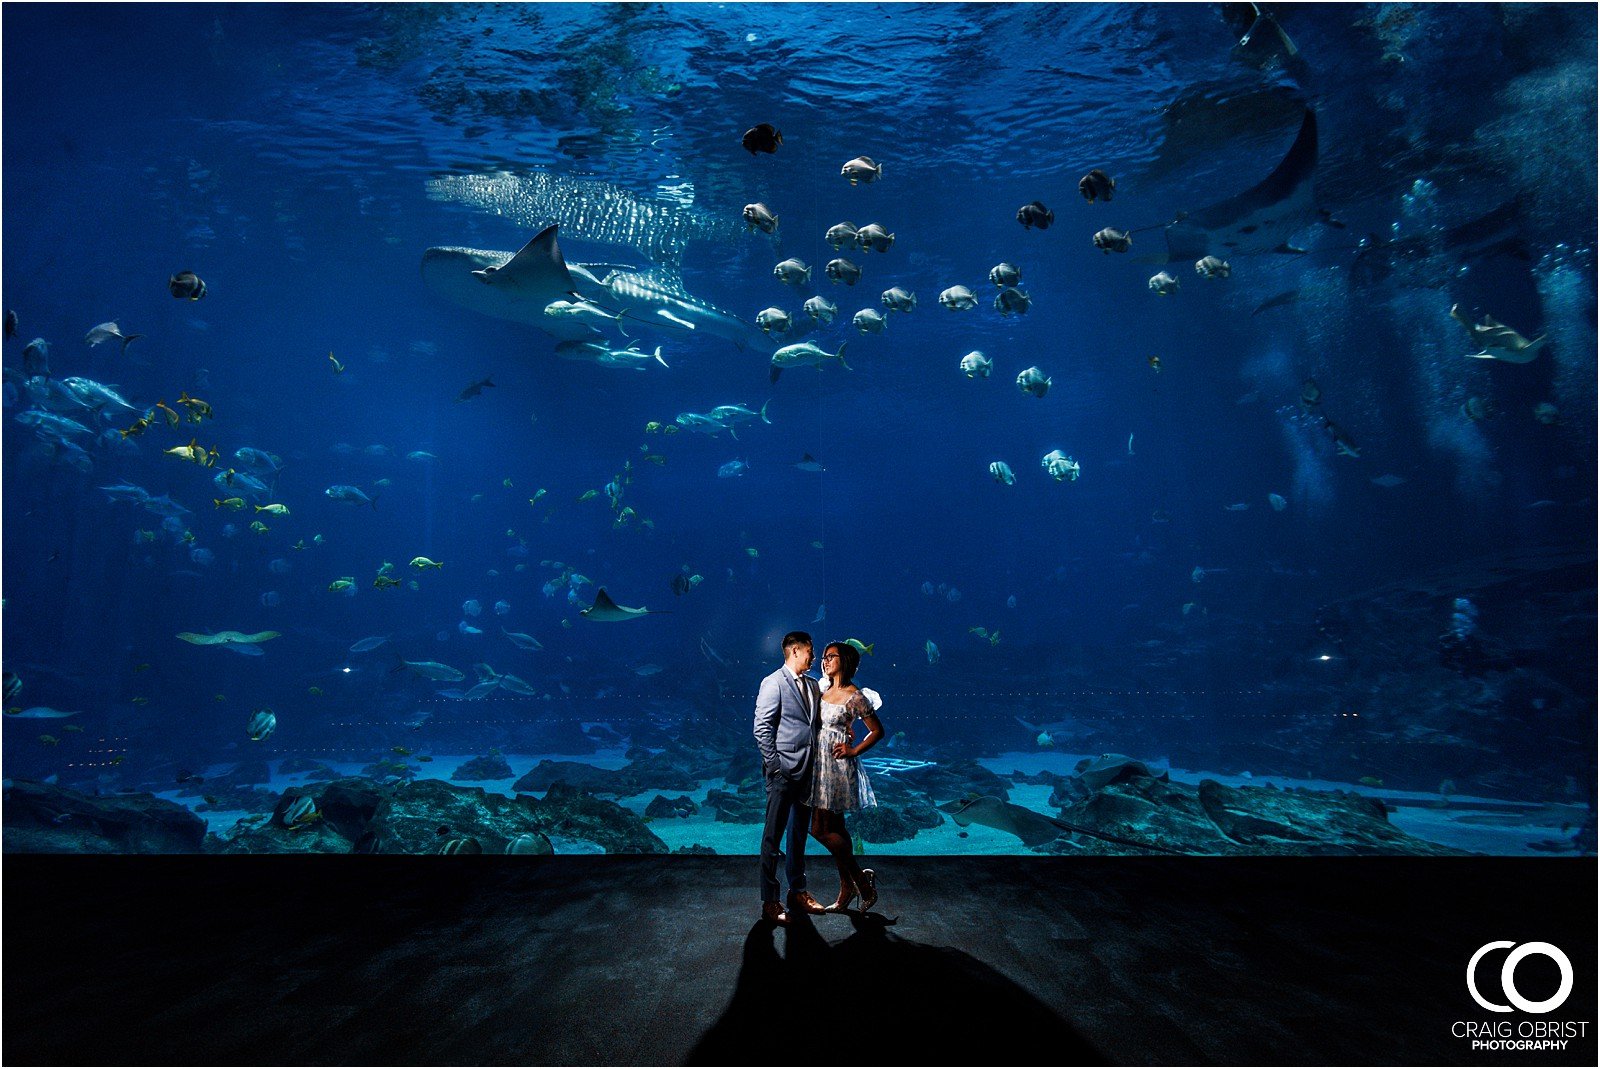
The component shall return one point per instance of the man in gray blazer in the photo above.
(788, 710)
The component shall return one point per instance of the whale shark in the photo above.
(519, 287)
(1261, 219)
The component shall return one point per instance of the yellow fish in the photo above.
(401, 750)
(537, 495)
(589, 495)
(234, 503)
(299, 545)
(117, 760)
(424, 562)
(816, 545)
(258, 527)
(652, 427)
(567, 624)
(219, 697)
(342, 584)
(194, 453)
(669, 429)
(49, 740)
(753, 552)
(170, 415)
(424, 757)
(276, 510)
(74, 728)
(140, 701)
(141, 668)
(656, 459)
(338, 368)
(198, 409)
(506, 483)
(318, 539)
(383, 582)
(315, 692)
(1370, 781)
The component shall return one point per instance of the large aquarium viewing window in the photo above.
(423, 424)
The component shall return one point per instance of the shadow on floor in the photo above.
(852, 1003)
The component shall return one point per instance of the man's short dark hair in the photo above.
(793, 639)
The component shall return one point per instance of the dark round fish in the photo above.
(186, 284)
(763, 137)
(1096, 185)
(1035, 215)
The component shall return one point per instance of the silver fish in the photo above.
(821, 309)
(760, 217)
(1005, 274)
(842, 270)
(842, 235)
(874, 237)
(899, 299)
(959, 299)
(862, 169)
(869, 321)
(107, 332)
(792, 272)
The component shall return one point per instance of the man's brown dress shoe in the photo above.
(773, 913)
(802, 901)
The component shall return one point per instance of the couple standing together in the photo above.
(809, 759)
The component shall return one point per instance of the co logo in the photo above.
(1508, 971)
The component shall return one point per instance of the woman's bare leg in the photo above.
(828, 828)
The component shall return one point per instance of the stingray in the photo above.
(1034, 829)
(519, 286)
(604, 610)
(227, 638)
(1261, 219)
(39, 712)
(1499, 341)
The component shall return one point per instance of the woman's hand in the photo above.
(841, 750)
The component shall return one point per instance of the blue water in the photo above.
(284, 154)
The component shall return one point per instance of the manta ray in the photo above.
(520, 286)
(604, 610)
(1263, 217)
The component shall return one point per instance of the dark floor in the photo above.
(658, 960)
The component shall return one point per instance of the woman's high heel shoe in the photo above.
(843, 903)
(868, 886)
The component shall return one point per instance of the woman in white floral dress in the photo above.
(841, 784)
